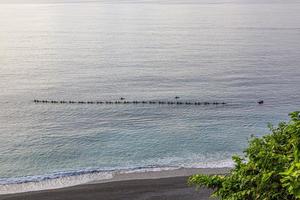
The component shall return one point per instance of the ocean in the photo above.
(236, 51)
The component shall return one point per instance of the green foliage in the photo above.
(269, 169)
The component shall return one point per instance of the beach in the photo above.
(171, 184)
(125, 99)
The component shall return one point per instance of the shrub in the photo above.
(269, 169)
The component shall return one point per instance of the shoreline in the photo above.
(130, 185)
(169, 173)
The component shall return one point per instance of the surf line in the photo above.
(197, 103)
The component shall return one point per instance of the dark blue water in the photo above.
(238, 52)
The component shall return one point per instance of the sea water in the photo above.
(234, 51)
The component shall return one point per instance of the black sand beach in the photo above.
(171, 186)
(150, 189)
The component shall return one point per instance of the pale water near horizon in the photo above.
(233, 51)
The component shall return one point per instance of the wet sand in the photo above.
(163, 185)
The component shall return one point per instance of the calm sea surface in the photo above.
(233, 51)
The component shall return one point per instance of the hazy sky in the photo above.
(150, 1)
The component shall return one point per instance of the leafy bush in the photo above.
(269, 169)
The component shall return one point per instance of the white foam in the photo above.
(196, 161)
(148, 169)
(67, 179)
(55, 183)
